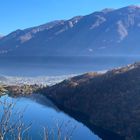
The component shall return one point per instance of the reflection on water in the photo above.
(43, 113)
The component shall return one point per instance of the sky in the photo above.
(21, 14)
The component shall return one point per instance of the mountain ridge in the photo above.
(110, 31)
(108, 100)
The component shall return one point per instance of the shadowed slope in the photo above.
(110, 101)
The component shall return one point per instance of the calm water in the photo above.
(30, 66)
(41, 112)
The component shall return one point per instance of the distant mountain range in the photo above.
(108, 32)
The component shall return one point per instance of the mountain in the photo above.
(107, 32)
(1, 36)
(110, 101)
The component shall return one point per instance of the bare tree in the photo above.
(64, 131)
(11, 123)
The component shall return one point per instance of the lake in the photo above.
(43, 113)
(51, 66)
(39, 110)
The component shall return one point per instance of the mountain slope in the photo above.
(106, 32)
(110, 101)
(1, 36)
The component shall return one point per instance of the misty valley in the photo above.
(76, 78)
(40, 111)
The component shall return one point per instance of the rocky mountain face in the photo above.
(108, 32)
(110, 101)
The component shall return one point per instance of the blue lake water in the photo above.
(32, 66)
(41, 112)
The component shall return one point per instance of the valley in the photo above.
(77, 77)
(107, 103)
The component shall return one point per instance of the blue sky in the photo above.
(20, 14)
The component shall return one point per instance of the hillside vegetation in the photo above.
(110, 101)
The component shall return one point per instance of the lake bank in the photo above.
(41, 112)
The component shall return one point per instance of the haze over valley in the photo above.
(71, 78)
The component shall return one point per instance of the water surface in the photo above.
(51, 66)
(41, 112)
